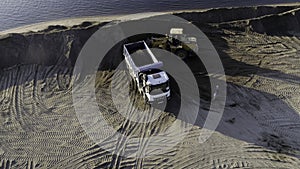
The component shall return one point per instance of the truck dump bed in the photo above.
(140, 57)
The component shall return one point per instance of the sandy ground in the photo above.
(259, 128)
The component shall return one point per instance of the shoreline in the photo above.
(69, 22)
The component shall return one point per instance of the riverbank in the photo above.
(69, 22)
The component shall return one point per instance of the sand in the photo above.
(259, 128)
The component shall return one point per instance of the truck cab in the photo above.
(156, 85)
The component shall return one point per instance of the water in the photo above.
(14, 13)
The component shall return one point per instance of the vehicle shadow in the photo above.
(254, 116)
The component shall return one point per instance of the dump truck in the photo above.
(176, 42)
(146, 73)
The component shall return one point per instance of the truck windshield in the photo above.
(156, 89)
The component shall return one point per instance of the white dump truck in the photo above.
(145, 70)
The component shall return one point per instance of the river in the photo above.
(15, 13)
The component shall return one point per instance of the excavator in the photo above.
(176, 42)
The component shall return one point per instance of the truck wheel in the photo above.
(145, 98)
(182, 54)
(133, 84)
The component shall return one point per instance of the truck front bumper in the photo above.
(160, 98)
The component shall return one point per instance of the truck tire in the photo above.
(145, 98)
(133, 85)
(182, 54)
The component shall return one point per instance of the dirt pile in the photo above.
(286, 23)
(284, 20)
(55, 45)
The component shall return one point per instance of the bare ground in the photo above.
(259, 128)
